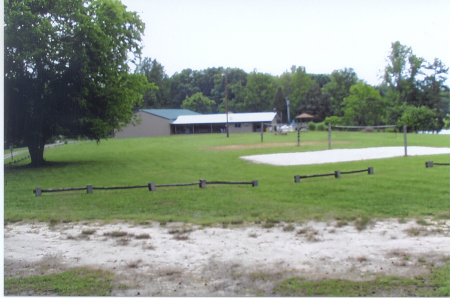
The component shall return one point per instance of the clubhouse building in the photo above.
(165, 122)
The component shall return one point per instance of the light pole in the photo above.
(225, 74)
(288, 114)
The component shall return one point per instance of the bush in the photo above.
(391, 129)
(311, 126)
(320, 126)
(334, 120)
(418, 118)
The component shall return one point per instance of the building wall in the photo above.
(240, 127)
(151, 126)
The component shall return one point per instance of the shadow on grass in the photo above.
(51, 165)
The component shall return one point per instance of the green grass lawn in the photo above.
(74, 282)
(436, 284)
(16, 157)
(401, 187)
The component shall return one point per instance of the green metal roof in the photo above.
(170, 114)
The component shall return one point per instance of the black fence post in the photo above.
(89, 188)
(297, 178)
(202, 183)
(337, 174)
(370, 170)
(151, 186)
(429, 164)
(38, 192)
(254, 183)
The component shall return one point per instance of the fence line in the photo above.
(151, 186)
(17, 161)
(26, 157)
(178, 184)
(336, 174)
(430, 164)
(232, 182)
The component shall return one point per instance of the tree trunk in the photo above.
(37, 153)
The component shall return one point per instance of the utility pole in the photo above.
(226, 98)
(288, 103)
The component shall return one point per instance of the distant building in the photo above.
(216, 123)
(155, 123)
(165, 122)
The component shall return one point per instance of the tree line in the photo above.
(413, 92)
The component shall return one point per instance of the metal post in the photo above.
(298, 136)
(90, 189)
(288, 103)
(329, 136)
(262, 131)
(404, 136)
(226, 99)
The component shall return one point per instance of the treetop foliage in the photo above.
(408, 81)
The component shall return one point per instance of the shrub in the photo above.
(320, 126)
(334, 120)
(418, 118)
(311, 126)
(391, 129)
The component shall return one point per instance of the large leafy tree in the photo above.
(300, 84)
(182, 86)
(280, 105)
(339, 88)
(237, 82)
(316, 103)
(364, 106)
(199, 103)
(66, 70)
(419, 118)
(435, 92)
(412, 81)
(154, 72)
(259, 92)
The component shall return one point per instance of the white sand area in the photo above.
(341, 155)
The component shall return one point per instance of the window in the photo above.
(237, 125)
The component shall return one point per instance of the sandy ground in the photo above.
(341, 155)
(236, 260)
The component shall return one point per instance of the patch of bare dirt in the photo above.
(269, 145)
(247, 260)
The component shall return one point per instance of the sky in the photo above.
(271, 36)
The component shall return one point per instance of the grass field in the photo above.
(433, 285)
(76, 282)
(401, 187)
